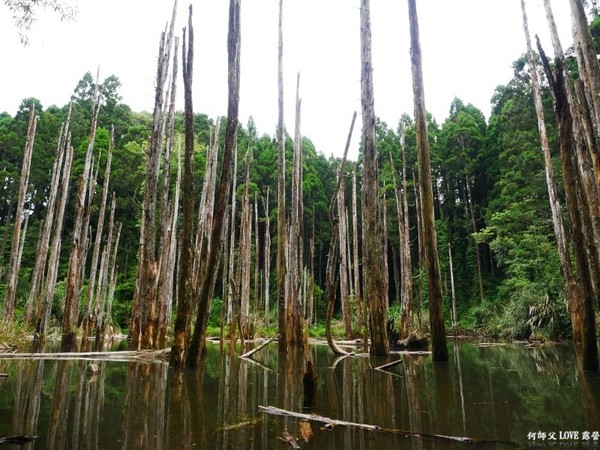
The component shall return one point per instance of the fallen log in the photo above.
(329, 424)
(120, 356)
(260, 347)
(388, 365)
(18, 440)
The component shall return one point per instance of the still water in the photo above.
(501, 393)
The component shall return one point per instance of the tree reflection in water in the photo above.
(494, 393)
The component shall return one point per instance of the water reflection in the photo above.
(498, 393)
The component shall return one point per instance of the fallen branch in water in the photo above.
(122, 356)
(260, 347)
(17, 440)
(388, 365)
(330, 423)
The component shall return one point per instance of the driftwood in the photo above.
(329, 424)
(287, 437)
(122, 356)
(388, 365)
(260, 347)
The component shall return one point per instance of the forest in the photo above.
(170, 227)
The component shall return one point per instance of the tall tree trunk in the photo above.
(41, 257)
(333, 253)
(233, 50)
(14, 267)
(436, 319)
(374, 291)
(55, 241)
(295, 322)
(343, 238)
(452, 289)
(582, 315)
(356, 266)
(471, 208)
(79, 242)
(281, 221)
(91, 301)
(230, 278)
(181, 328)
(267, 253)
(572, 290)
(143, 329)
(245, 256)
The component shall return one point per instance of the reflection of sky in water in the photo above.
(499, 393)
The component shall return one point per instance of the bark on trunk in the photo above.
(14, 267)
(436, 319)
(181, 328)
(233, 50)
(281, 220)
(374, 278)
(582, 314)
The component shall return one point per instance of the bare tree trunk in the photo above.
(14, 266)
(245, 256)
(41, 258)
(230, 279)
(55, 242)
(97, 319)
(267, 252)
(375, 293)
(295, 322)
(343, 238)
(181, 328)
(583, 129)
(257, 293)
(582, 314)
(356, 266)
(420, 245)
(79, 242)
(91, 301)
(233, 49)
(452, 289)
(333, 253)
(281, 221)
(436, 320)
(572, 290)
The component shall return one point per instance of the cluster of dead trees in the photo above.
(577, 114)
(182, 249)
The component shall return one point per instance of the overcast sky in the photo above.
(468, 47)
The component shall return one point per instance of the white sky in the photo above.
(468, 47)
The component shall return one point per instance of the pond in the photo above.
(502, 394)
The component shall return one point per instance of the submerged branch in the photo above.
(330, 423)
(122, 356)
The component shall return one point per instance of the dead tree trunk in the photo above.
(233, 51)
(333, 254)
(34, 306)
(572, 290)
(471, 209)
(79, 242)
(436, 319)
(294, 313)
(375, 293)
(245, 256)
(281, 220)
(181, 328)
(55, 241)
(91, 302)
(582, 314)
(14, 267)
(356, 266)
(343, 243)
(230, 278)
(267, 256)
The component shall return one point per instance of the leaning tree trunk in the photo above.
(181, 329)
(375, 283)
(281, 221)
(436, 319)
(14, 267)
(343, 243)
(572, 290)
(41, 257)
(582, 314)
(233, 51)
